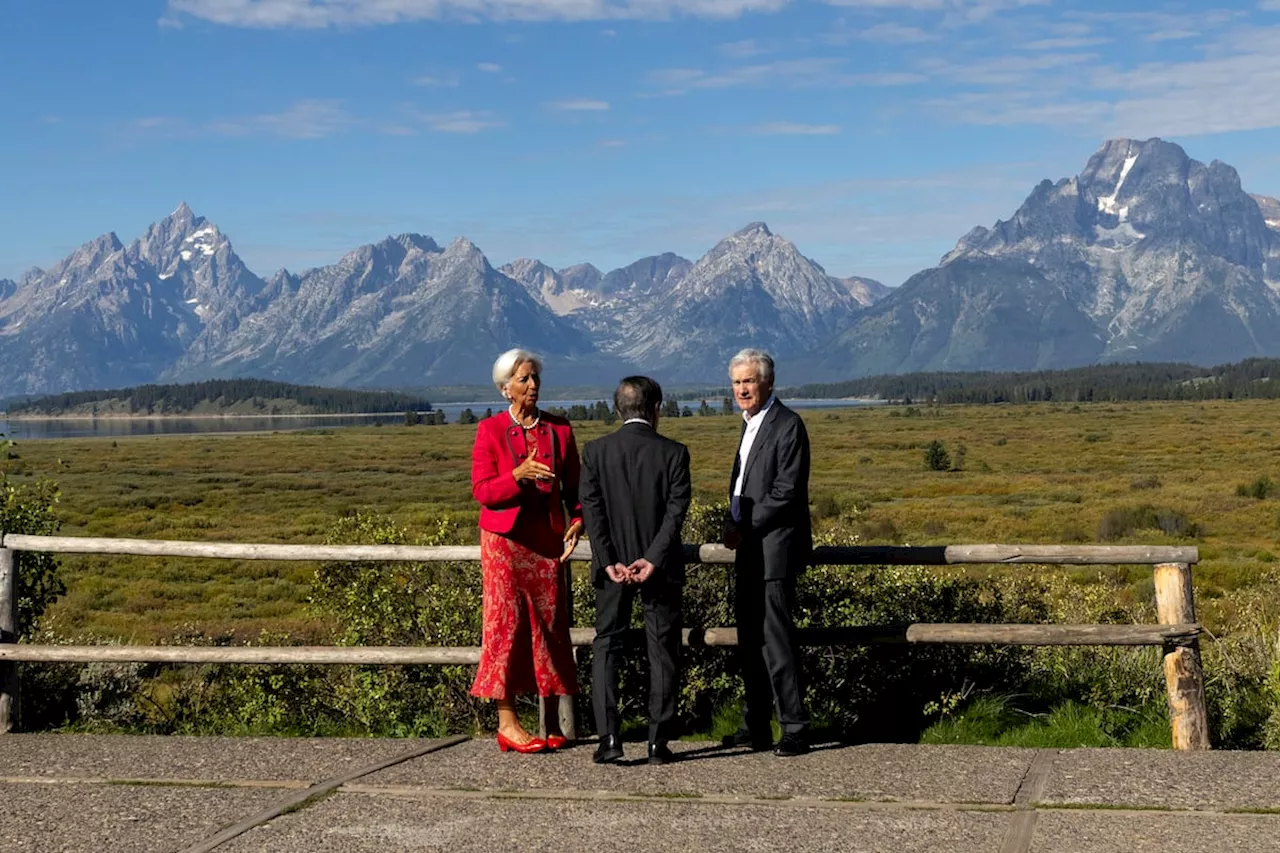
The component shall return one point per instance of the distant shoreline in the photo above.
(211, 416)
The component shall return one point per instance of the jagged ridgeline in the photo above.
(221, 396)
(1145, 255)
(1254, 378)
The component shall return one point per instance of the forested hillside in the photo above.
(1251, 378)
(220, 396)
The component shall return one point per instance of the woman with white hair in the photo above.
(524, 473)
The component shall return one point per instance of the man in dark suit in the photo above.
(635, 494)
(769, 526)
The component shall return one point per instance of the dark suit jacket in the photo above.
(774, 507)
(635, 494)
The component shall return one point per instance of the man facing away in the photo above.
(769, 526)
(635, 494)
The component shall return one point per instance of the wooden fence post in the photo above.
(564, 711)
(8, 634)
(1184, 676)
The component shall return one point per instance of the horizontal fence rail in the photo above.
(855, 555)
(1177, 632)
(860, 635)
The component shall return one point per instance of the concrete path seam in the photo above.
(159, 781)
(688, 799)
(1017, 839)
(320, 789)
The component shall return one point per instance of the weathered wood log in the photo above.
(1183, 674)
(239, 550)
(565, 709)
(8, 635)
(381, 655)
(1024, 635)
(966, 633)
(708, 553)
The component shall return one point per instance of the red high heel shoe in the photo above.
(557, 742)
(535, 745)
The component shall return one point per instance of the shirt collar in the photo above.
(760, 414)
(636, 421)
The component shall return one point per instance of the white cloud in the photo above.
(489, 67)
(1233, 85)
(579, 105)
(1004, 70)
(320, 14)
(955, 11)
(891, 33)
(789, 128)
(612, 143)
(447, 81)
(1066, 43)
(1269, 5)
(1171, 35)
(460, 121)
(744, 49)
(305, 119)
(815, 72)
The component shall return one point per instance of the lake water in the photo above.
(24, 429)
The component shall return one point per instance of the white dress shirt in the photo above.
(744, 452)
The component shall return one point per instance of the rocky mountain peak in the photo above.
(650, 276)
(754, 229)
(87, 258)
(865, 291)
(752, 288)
(580, 277)
(462, 244)
(527, 270)
(1270, 209)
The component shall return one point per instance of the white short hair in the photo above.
(509, 362)
(758, 357)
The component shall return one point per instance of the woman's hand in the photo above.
(531, 469)
(571, 537)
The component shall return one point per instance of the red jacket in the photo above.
(500, 448)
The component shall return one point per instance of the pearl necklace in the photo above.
(517, 421)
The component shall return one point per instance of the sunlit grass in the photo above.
(1046, 473)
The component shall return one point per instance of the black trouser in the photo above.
(662, 624)
(767, 652)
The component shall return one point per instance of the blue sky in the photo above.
(873, 133)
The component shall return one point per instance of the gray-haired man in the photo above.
(769, 526)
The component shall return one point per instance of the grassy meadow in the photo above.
(1038, 473)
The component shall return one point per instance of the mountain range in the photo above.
(1144, 255)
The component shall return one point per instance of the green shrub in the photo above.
(1260, 489)
(1122, 521)
(826, 506)
(29, 510)
(936, 457)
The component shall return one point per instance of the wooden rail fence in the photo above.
(1177, 631)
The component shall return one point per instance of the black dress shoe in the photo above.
(659, 753)
(609, 750)
(791, 745)
(744, 737)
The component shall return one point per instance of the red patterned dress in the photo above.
(525, 646)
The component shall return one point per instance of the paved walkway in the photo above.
(94, 793)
